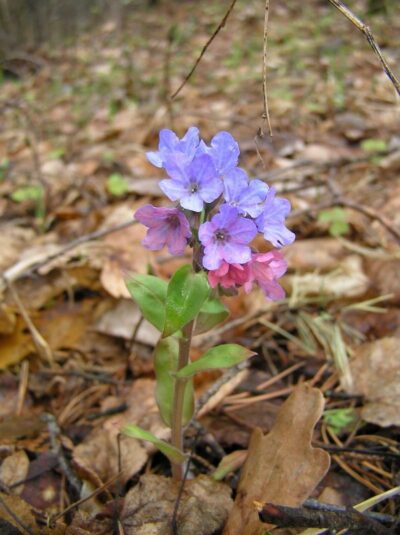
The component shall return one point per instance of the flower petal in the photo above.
(173, 189)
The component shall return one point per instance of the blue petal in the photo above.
(173, 189)
(192, 201)
(155, 158)
(252, 199)
(235, 183)
(278, 234)
(224, 151)
(168, 140)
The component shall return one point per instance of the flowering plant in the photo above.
(218, 212)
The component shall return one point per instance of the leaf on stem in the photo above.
(212, 312)
(186, 294)
(173, 454)
(150, 294)
(166, 361)
(223, 356)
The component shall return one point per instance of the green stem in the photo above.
(179, 393)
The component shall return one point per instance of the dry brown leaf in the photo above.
(99, 451)
(376, 371)
(22, 511)
(13, 469)
(122, 320)
(148, 507)
(282, 467)
(348, 280)
(126, 253)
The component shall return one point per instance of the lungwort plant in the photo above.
(217, 212)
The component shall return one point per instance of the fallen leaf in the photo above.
(376, 372)
(21, 510)
(148, 507)
(13, 469)
(99, 451)
(282, 467)
(122, 320)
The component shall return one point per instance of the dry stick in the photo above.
(265, 115)
(15, 517)
(205, 47)
(285, 516)
(359, 24)
(56, 446)
(41, 345)
(24, 268)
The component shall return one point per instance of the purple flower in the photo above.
(265, 268)
(167, 226)
(247, 197)
(226, 237)
(192, 184)
(224, 152)
(171, 147)
(271, 222)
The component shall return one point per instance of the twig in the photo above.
(56, 446)
(320, 506)
(359, 24)
(15, 517)
(205, 47)
(265, 115)
(41, 345)
(26, 267)
(347, 518)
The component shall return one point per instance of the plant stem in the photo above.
(179, 393)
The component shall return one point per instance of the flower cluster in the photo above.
(206, 180)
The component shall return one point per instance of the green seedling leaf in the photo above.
(117, 185)
(150, 294)
(165, 364)
(211, 313)
(173, 454)
(229, 463)
(56, 154)
(374, 145)
(186, 294)
(4, 166)
(337, 219)
(224, 356)
(338, 419)
(27, 193)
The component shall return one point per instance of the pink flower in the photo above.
(265, 269)
(228, 275)
(167, 227)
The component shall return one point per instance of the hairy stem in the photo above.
(179, 393)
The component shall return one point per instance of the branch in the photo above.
(210, 40)
(359, 24)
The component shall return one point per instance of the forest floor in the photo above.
(75, 363)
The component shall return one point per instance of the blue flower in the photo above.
(192, 184)
(226, 238)
(271, 222)
(170, 147)
(224, 152)
(247, 197)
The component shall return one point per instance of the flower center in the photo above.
(193, 187)
(173, 221)
(221, 235)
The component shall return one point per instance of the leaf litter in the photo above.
(335, 147)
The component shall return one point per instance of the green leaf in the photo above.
(211, 313)
(224, 356)
(186, 294)
(338, 419)
(117, 185)
(374, 145)
(166, 361)
(337, 219)
(173, 454)
(27, 193)
(150, 294)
